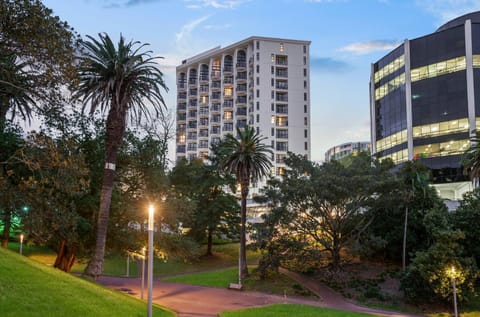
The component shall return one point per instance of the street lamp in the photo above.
(150, 259)
(21, 243)
(454, 292)
(143, 272)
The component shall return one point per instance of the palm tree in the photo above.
(246, 158)
(16, 89)
(122, 80)
(471, 160)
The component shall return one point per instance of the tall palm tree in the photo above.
(121, 80)
(247, 158)
(471, 160)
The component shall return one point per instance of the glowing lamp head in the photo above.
(21, 238)
(453, 270)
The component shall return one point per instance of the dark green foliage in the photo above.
(319, 209)
(429, 276)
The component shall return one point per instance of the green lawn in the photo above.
(29, 288)
(225, 255)
(288, 310)
(276, 283)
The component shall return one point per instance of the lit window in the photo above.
(389, 68)
(282, 47)
(228, 92)
(227, 115)
(273, 58)
(273, 120)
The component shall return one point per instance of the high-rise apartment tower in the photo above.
(261, 82)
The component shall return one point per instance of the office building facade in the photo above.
(343, 150)
(260, 82)
(425, 101)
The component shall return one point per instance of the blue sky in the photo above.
(346, 35)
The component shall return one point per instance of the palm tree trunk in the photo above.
(115, 130)
(243, 235)
(209, 241)
(65, 257)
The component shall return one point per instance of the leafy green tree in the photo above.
(467, 219)
(36, 56)
(214, 210)
(11, 198)
(119, 80)
(58, 178)
(247, 158)
(322, 208)
(428, 278)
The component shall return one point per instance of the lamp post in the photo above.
(454, 292)
(143, 272)
(150, 259)
(21, 244)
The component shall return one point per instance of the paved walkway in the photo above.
(201, 301)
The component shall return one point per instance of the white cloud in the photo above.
(362, 48)
(185, 33)
(446, 10)
(217, 4)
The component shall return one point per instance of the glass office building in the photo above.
(425, 101)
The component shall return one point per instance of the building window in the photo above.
(305, 96)
(258, 81)
(258, 130)
(273, 82)
(258, 56)
(306, 146)
(304, 108)
(273, 94)
(258, 69)
(305, 121)
(282, 134)
(304, 60)
(304, 49)
(273, 120)
(258, 93)
(258, 45)
(282, 47)
(273, 106)
(306, 133)
(273, 70)
(304, 72)
(258, 105)
(305, 84)
(258, 118)
(273, 144)
(273, 133)
(273, 58)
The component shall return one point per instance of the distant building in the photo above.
(425, 102)
(340, 151)
(261, 82)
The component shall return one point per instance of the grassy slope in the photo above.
(28, 288)
(288, 310)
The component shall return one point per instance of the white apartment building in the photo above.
(261, 82)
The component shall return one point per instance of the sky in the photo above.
(346, 36)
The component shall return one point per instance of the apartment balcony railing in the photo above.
(181, 149)
(215, 74)
(203, 112)
(192, 125)
(215, 107)
(228, 80)
(227, 68)
(192, 81)
(182, 95)
(281, 98)
(281, 86)
(216, 84)
(241, 64)
(241, 100)
(203, 77)
(241, 112)
(181, 117)
(203, 133)
(228, 104)
(282, 62)
(182, 85)
(182, 106)
(215, 130)
(283, 73)
(192, 103)
(241, 88)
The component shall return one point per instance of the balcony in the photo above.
(228, 81)
(282, 109)
(192, 124)
(283, 98)
(215, 74)
(281, 60)
(204, 90)
(241, 112)
(192, 114)
(193, 93)
(215, 107)
(181, 149)
(204, 133)
(181, 117)
(282, 134)
(241, 89)
(204, 122)
(192, 147)
(282, 73)
(182, 106)
(216, 96)
(228, 68)
(215, 130)
(216, 85)
(182, 86)
(203, 112)
(215, 119)
(192, 104)
(241, 64)
(228, 104)
(192, 136)
(182, 95)
(281, 85)
(192, 81)
(203, 77)
(241, 100)
(241, 124)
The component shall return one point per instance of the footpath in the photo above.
(201, 301)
